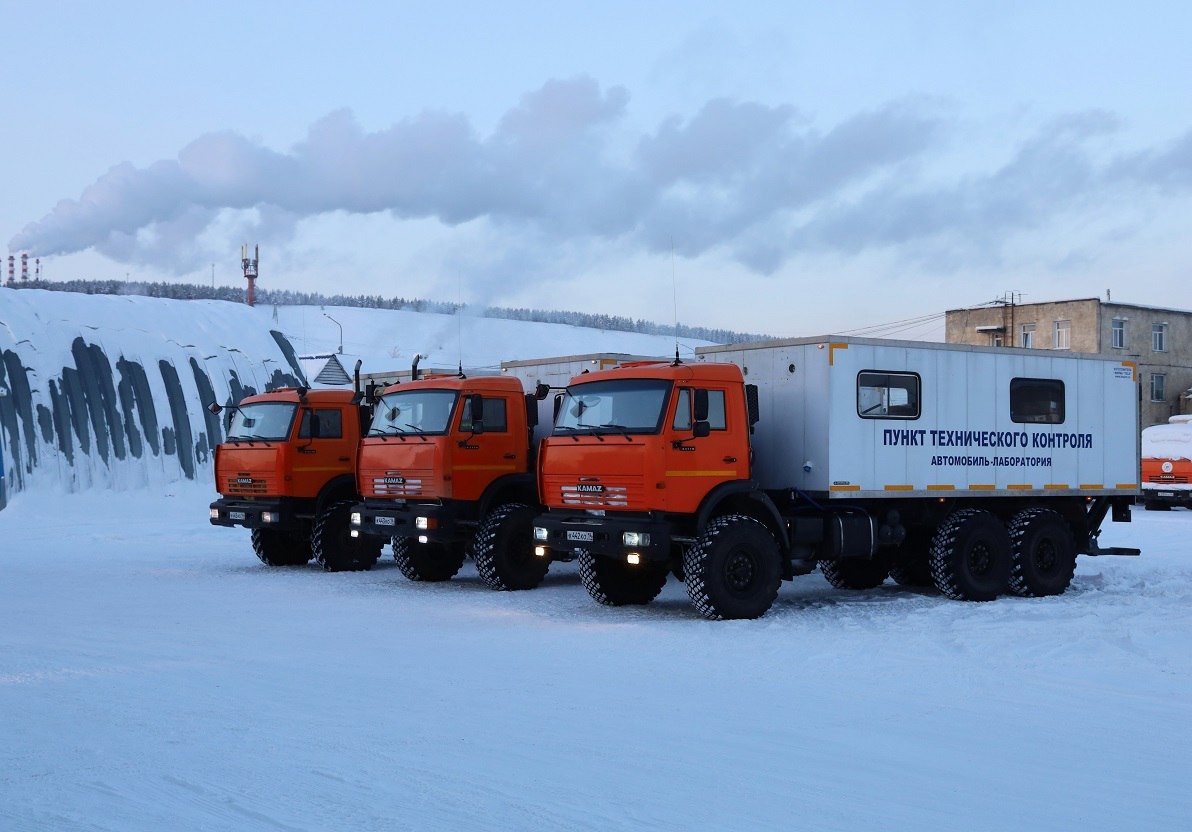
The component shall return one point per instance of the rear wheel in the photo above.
(427, 561)
(333, 546)
(1043, 554)
(970, 556)
(614, 582)
(277, 548)
(504, 549)
(732, 570)
(856, 573)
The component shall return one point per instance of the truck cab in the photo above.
(286, 472)
(1167, 465)
(446, 465)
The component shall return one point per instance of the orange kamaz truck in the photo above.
(286, 472)
(977, 471)
(446, 467)
(1167, 465)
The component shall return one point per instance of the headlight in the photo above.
(354, 518)
(539, 533)
(636, 539)
(425, 523)
(214, 513)
(268, 516)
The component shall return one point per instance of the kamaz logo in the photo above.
(395, 480)
(590, 488)
(243, 480)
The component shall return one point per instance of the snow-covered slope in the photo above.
(110, 391)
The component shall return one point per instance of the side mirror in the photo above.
(215, 408)
(701, 429)
(541, 391)
(477, 402)
(700, 400)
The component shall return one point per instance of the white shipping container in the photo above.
(847, 417)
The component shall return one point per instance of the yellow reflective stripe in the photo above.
(900, 488)
(941, 488)
(845, 488)
(731, 472)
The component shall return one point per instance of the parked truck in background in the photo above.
(1167, 464)
(286, 471)
(447, 469)
(980, 471)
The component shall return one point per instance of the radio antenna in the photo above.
(675, 298)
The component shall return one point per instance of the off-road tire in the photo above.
(278, 548)
(430, 562)
(333, 546)
(970, 556)
(614, 582)
(504, 549)
(733, 569)
(1042, 554)
(856, 573)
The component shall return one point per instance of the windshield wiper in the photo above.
(621, 429)
(392, 430)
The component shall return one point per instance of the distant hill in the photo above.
(285, 297)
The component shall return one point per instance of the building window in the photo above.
(1063, 335)
(1159, 337)
(997, 340)
(1119, 333)
(1158, 387)
(1027, 336)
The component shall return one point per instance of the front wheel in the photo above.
(614, 582)
(277, 548)
(504, 549)
(333, 546)
(429, 562)
(733, 569)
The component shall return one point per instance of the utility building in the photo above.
(1158, 340)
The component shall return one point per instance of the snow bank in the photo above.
(110, 391)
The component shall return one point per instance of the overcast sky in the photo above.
(792, 169)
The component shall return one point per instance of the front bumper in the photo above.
(277, 513)
(428, 522)
(566, 535)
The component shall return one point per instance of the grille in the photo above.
(386, 487)
(613, 496)
(246, 485)
(1167, 479)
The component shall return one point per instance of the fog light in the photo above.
(214, 514)
(634, 558)
(354, 533)
(425, 523)
(423, 538)
(540, 551)
(636, 538)
(539, 532)
(354, 518)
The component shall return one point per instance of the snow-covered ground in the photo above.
(153, 675)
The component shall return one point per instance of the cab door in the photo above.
(697, 464)
(480, 458)
(322, 449)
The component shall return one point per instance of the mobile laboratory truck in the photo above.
(978, 470)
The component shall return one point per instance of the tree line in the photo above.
(289, 297)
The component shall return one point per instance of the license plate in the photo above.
(586, 537)
(1167, 494)
(383, 521)
(235, 515)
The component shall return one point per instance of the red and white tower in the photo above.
(250, 270)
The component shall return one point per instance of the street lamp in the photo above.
(341, 331)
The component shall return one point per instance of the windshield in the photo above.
(414, 411)
(633, 405)
(264, 420)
